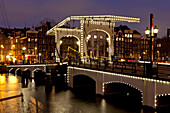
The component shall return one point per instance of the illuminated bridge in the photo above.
(106, 81)
(79, 36)
(150, 89)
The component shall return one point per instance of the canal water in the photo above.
(37, 99)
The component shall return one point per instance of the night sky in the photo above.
(31, 12)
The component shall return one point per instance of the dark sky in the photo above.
(31, 12)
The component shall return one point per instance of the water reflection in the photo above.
(2, 79)
(37, 100)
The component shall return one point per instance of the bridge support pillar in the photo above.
(149, 95)
(99, 84)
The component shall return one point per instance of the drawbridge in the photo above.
(87, 24)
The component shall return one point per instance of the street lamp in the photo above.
(155, 31)
(24, 48)
(35, 54)
(39, 57)
(148, 32)
(151, 33)
(35, 50)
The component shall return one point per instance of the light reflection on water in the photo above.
(36, 100)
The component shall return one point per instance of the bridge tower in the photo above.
(99, 23)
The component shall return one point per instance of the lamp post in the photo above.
(35, 54)
(151, 33)
(39, 58)
(24, 48)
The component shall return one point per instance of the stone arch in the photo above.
(93, 45)
(124, 83)
(138, 91)
(84, 84)
(162, 102)
(27, 72)
(101, 31)
(73, 42)
(18, 73)
(12, 70)
(108, 31)
(70, 36)
(87, 74)
(35, 70)
(26, 69)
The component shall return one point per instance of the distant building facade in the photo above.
(39, 48)
(129, 43)
(162, 52)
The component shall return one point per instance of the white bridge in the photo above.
(101, 23)
(150, 88)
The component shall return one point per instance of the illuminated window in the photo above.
(35, 39)
(29, 39)
(95, 36)
(122, 39)
(125, 35)
(116, 38)
(16, 40)
(101, 37)
(158, 45)
(88, 37)
(130, 35)
(130, 40)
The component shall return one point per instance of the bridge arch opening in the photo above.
(123, 94)
(18, 72)
(33, 72)
(98, 43)
(12, 71)
(27, 73)
(84, 85)
(39, 76)
(69, 45)
(162, 103)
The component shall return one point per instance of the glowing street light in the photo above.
(39, 57)
(151, 33)
(24, 48)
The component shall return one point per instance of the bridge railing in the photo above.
(144, 69)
